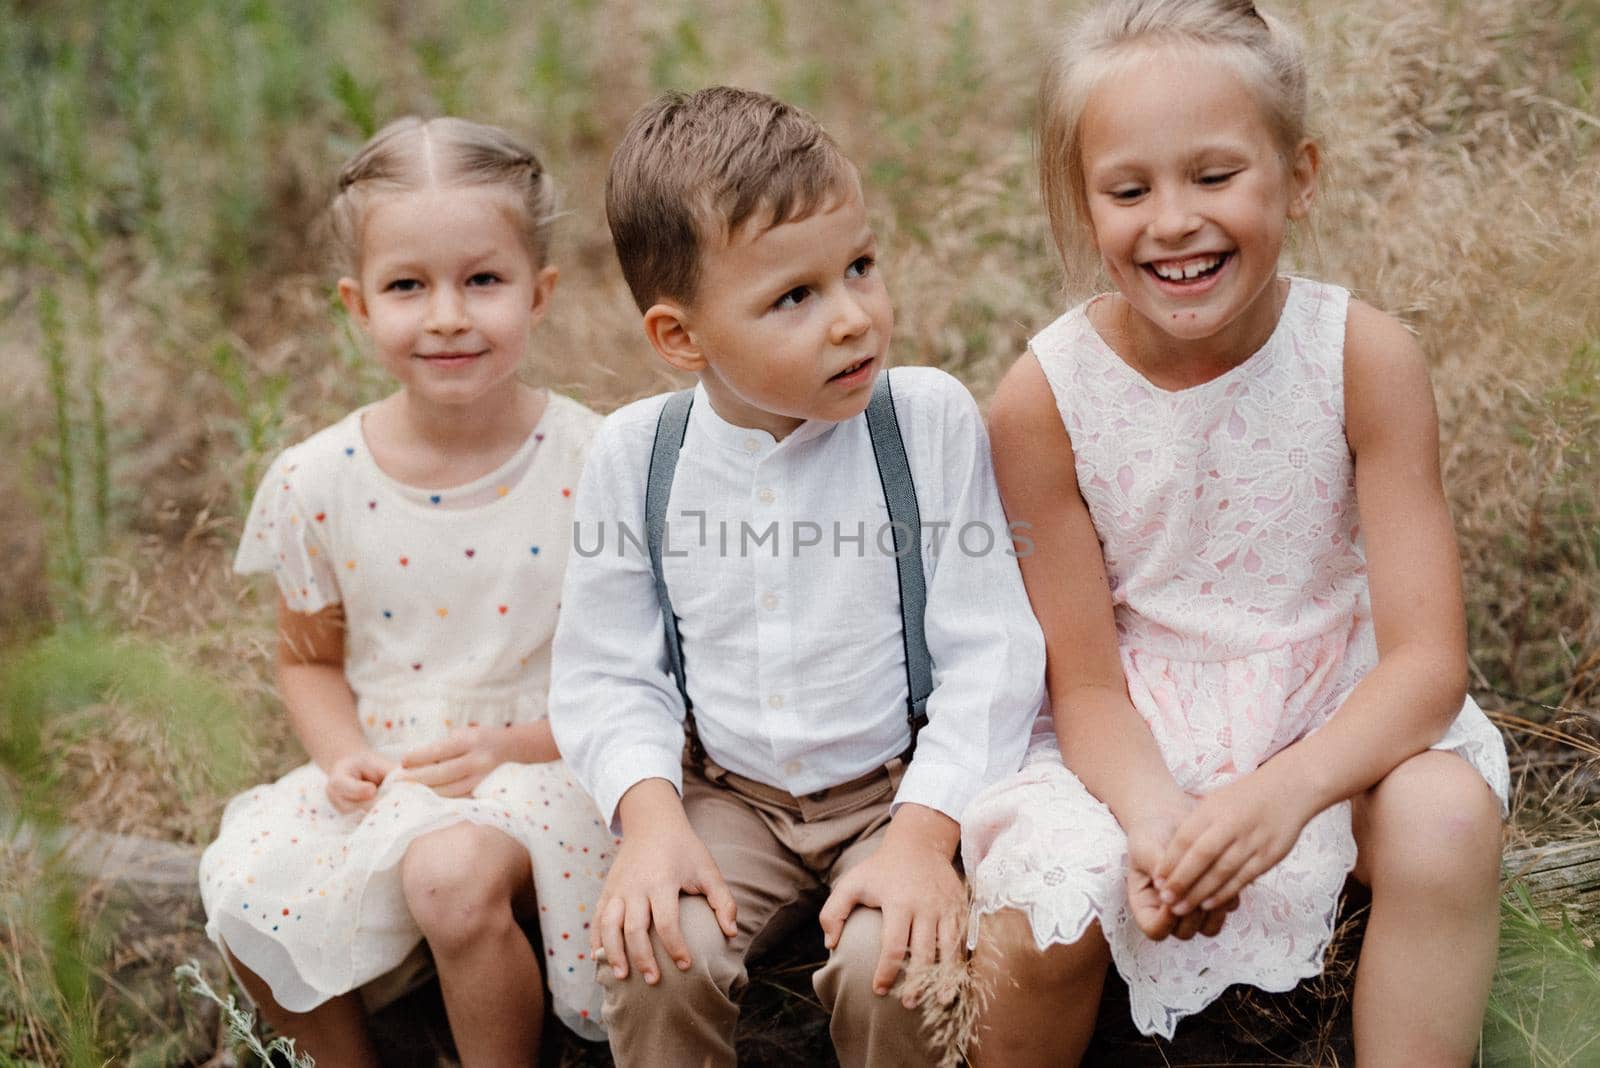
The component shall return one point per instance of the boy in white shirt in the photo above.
(788, 667)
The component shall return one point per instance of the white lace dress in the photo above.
(450, 600)
(1227, 517)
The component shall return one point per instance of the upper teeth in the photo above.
(1178, 270)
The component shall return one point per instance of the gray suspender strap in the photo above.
(670, 428)
(905, 520)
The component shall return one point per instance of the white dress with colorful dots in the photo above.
(450, 600)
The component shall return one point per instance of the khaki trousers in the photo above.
(779, 854)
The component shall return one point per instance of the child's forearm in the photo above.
(1403, 706)
(1107, 744)
(651, 805)
(322, 711)
(921, 825)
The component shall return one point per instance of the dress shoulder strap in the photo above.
(1316, 313)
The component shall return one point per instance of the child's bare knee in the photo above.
(1434, 827)
(445, 887)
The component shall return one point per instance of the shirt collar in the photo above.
(704, 420)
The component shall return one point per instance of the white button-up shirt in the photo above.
(780, 565)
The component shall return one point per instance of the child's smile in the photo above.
(1190, 274)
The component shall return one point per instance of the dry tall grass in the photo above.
(162, 163)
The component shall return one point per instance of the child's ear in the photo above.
(1303, 168)
(544, 284)
(354, 303)
(667, 326)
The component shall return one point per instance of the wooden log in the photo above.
(1560, 876)
(147, 863)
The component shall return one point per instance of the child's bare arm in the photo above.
(661, 857)
(322, 707)
(1407, 702)
(1103, 738)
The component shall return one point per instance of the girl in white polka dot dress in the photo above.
(418, 547)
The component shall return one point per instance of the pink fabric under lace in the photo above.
(1227, 517)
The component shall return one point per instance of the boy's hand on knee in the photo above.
(661, 857)
(911, 879)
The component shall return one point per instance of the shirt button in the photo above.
(766, 496)
(751, 445)
(794, 767)
(775, 701)
(769, 601)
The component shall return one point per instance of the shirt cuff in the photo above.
(945, 788)
(627, 768)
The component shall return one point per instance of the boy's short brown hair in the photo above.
(696, 165)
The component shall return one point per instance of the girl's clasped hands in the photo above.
(1233, 835)
(1188, 865)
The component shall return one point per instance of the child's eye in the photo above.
(1216, 177)
(793, 298)
(484, 278)
(1126, 194)
(860, 267)
(403, 285)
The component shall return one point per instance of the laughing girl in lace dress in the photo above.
(1248, 580)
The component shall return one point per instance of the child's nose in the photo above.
(850, 318)
(447, 311)
(1174, 219)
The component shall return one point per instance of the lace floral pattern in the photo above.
(1228, 522)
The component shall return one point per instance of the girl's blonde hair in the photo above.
(414, 153)
(1265, 53)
